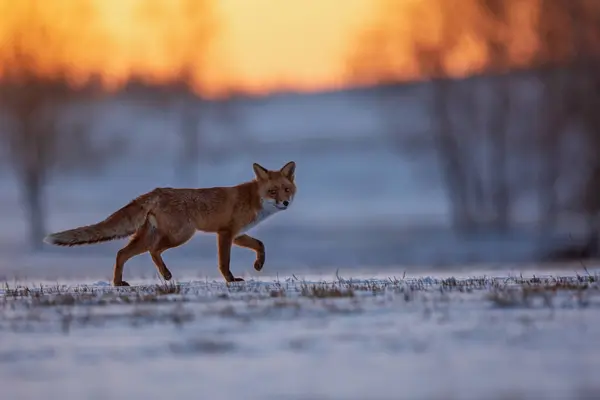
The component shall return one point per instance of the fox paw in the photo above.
(167, 275)
(234, 279)
(121, 283)
(258, 264)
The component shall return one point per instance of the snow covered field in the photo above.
(527, 336)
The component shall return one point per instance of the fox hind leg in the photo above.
(160, 244)
(160, 265)
(136, 246)
(163, 242)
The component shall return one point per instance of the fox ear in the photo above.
(288, 170)
(260, 171)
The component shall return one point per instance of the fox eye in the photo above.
(287, 190)
(272, 192)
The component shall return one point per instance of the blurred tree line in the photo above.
(508, 131)
(44, 124)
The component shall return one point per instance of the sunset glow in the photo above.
(257, 45)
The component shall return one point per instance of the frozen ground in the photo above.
(527, 336)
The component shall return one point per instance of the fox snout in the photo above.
(280, 205)
(283, 205)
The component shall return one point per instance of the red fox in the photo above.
(166, 218)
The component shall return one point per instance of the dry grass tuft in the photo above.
(323, 290)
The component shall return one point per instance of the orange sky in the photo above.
(299, 42)
(261, 43)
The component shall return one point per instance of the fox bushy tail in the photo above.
(122, 223)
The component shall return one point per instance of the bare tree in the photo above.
(554, 31)
(477, 123)
(451, 160)
(568, 33)
(494, 28)
(563, 56)
(483, 194)
(453, 107)
(585, 17)
(188, 34)
(33, 92)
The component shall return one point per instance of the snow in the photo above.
(240, 342)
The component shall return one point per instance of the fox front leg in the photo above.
(251, 243)
(224, 241)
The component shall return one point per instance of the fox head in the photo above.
(276, 188)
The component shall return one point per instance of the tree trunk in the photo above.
(33, 198)
(553, 124)
(190, 135)
(450, 160)
(499, 123)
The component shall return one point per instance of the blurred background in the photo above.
(427, 133)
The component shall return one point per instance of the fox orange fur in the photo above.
(166, 218)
